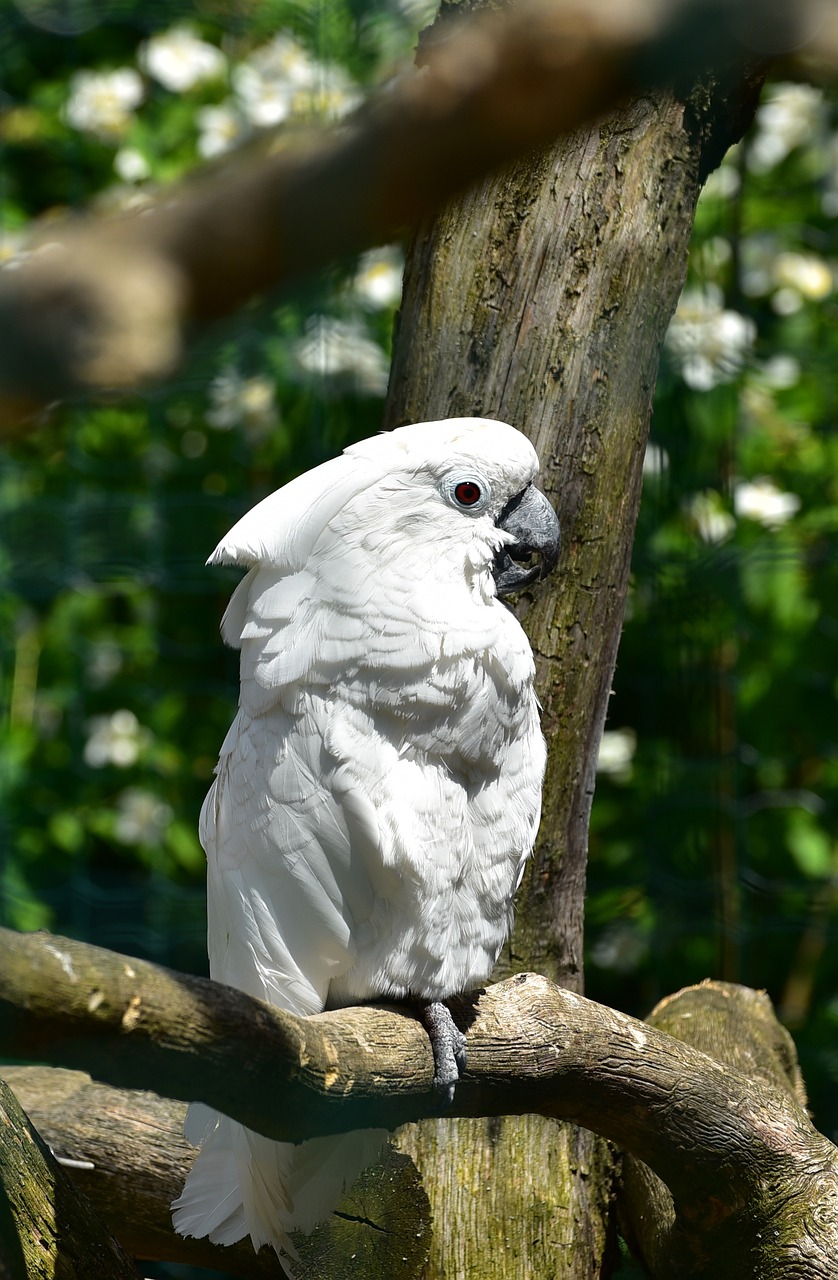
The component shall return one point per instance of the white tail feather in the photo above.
(243, 1184)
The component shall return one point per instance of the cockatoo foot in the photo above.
(449, 1046)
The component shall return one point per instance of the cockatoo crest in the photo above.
(398, 469)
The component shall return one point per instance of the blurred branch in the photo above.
(107, 303)
(735, 1150)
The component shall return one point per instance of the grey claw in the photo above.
(449, 1046)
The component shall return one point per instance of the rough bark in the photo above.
(542, 298)
(110, 303)
(47, 1229)
(743, 1184)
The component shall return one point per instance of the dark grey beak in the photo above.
(534, 524)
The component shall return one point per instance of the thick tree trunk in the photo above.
(542, 298)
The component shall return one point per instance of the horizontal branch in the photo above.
(107, 303)
(532, 1047)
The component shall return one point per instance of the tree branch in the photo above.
(743, 1167)
(107, 303)
(130, 1160)
(771, 1228)
(720, 1139)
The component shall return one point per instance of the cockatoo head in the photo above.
(462, 485)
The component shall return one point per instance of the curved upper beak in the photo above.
(535, 527)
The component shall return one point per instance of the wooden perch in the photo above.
(130, 1158)
(734, 1147)
(106, 303)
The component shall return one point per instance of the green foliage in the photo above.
(117, 691)
(713, 848)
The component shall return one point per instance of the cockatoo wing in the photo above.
(289, 845)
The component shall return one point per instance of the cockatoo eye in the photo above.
(467, 492)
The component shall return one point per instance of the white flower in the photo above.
(716, 253)
(280, 80)
(249, 403)
(378, 282)
(334, 94)
(655, 460)
(710, 516)
(780, 371)
(131, 165)
(267, 82)
(101, 102)
(709, 343)
(616, 752)
(807, 273)
(179, 59)
(722, 183)
(115, 739)
(258, 407)
(791, 116)
(786, 301)
(103, 663)
(219, 128)
(193, 444)
(759, 253)
(761, 500)
(142, 817)
(225, 390)
(621, 947)
(339, 349)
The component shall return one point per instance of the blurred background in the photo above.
(714, 848)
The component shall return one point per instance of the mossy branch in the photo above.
(768, 1228)
(128, 1156)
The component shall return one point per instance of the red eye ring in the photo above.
(467, 492)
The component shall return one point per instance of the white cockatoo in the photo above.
(379, 790)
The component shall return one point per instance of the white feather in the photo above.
(379, 791)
